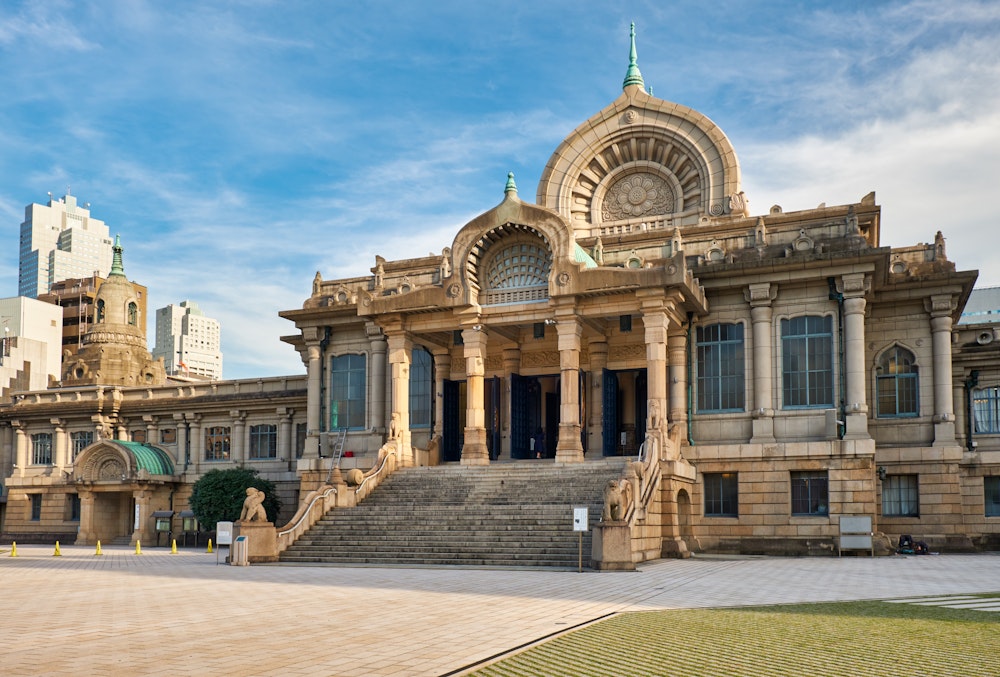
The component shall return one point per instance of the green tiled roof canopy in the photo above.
(147, 457)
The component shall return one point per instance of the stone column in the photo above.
(20, 447)
(377, 400)
(284, 432)
(143, 533)
(853, 287)
(569, 448)
(121, 430)
(760, 297)
(400, 356)
(940, 308)
(183, 453)
(197, 452)
(657, 324)
(151, 429)
(475, 451)
(60, 447)
(511, 366)
(314, 394)
(238, 451)
(86, 535)
(678, 381)
(598, 363)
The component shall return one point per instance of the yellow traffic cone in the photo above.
(13, 549)
(98, 549)
(173, 547)
(57, 553)
(209, 545)
(138, 547)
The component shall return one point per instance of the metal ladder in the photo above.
(338, 451)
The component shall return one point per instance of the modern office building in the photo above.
(60, 241)
(188, 341)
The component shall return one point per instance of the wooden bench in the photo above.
(856, 534)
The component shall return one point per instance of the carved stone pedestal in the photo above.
(262, 540)
(612, 547)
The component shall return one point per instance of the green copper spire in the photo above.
(116, 263)
(511, 187)
(632, 75)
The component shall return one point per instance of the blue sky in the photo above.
(238, 147)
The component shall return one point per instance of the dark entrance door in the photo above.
(492, 396)
(454, 422)
(624, 411)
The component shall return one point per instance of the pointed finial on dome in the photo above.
(116, 263)
(632, 75)
(511, 187)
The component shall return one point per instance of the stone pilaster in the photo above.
(238, 452)
(183, 451)
(20, 447)
(400, 356)
(598, 350)
(854, 287)
(314, 390)
(677, 374)
(940, 308)
(60, 444)
(197, 451)
(569, 448)
(377, 399)
(760, 297)
(475, 450)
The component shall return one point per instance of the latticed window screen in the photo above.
(41, 449)
(517, 272)
(264, 441)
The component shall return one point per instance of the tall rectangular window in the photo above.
(421, 389)
(36, 507)
(900, 496)
(896, 383)
(810, 493)
(807, 361)
(991, 494)
(347, 392)
(80, 441)
(217, 443)
(721, 372)
(300, 440)
(986, 409)
(41, 449)
(264, 441)
(73, 507)
(721, 494)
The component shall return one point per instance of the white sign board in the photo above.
(224, 533)
(580, 519)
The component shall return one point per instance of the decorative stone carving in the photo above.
(542, 358)
(454, 290)
(739, 205)
(562, 279)
(716, 209)
(627, 352)
(639, 194)
(630, 117)
(598, 252)
(494, 362)
(617, 499)
(253, 506)
(317, 282)
(446, 263)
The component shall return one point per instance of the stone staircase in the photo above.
(502, 515)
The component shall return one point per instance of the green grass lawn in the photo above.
(804, 640)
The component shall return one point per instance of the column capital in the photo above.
(940, 305)
(57, 422)
(374, 332)
(760, 295)
(238, 415)
(853, 285)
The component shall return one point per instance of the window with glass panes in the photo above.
(264, 441)
(347, 392)
(41, 449)
(721, 494)
(721, 371)
(986, 409)
(896, 383)
(807, 361)
(217, 443)
(900, 496)
(421, 389)
(991, 494)
(36, 507)
(810, 493)
(80, 441)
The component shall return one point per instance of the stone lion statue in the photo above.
(253, 506)
(617, 498)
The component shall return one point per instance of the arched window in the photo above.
(896, 383)
(133, 314)
(100, 310)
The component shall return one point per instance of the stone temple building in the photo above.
(770, 372)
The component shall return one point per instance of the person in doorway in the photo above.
(538, 443)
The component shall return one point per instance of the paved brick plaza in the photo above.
(163, 614)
